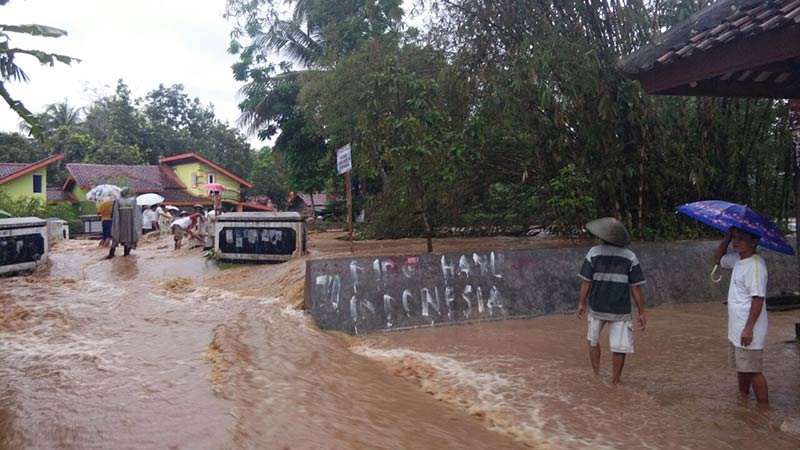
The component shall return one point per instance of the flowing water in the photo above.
(163, 350)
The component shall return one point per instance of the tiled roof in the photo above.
(138, 178)
(7, 169)
(10, 171)
(56, 195)
(720, 23)
(762, 16)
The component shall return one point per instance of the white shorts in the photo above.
(620, 334)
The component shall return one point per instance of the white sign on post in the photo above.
(344, 162)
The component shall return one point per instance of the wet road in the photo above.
(163, 350)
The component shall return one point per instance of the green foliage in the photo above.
(570, 205)
(507, 205)
(34, 207)
(122, 130)
(500, 116)
(115, 153)
(268, 176)
(16, 148)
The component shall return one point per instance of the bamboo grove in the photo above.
(506, 113)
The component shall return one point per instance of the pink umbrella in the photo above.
(214, 187)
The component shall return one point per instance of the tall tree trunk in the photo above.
(423, 211)
(794, 125)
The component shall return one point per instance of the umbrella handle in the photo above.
(713, 271)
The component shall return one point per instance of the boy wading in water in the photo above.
(747, 310)
(611, 274)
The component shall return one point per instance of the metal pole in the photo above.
(349, 194)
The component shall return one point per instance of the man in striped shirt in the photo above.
(611, 274)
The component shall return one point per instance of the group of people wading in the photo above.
(124, 223)
(612, 275)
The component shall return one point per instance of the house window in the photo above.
(37, 183)
(194, 180)
(212, 178)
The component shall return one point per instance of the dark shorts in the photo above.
(106, 229)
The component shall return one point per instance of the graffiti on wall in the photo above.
(389, 292)
(258, 240)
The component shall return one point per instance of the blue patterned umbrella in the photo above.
(723, 215)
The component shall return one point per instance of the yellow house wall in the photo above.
(185, 171)
(23, 186)
(79, 193)
(85, 207)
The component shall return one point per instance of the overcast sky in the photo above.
(144, 42)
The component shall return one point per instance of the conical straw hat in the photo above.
(610, 230)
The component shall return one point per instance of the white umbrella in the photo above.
(172, 208)
(149, 199)
(103, 193)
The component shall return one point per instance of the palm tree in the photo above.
(55, 115)
(62, 115)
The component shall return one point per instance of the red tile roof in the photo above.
(56, 195)
(138, 178)
(178, 159)
(7, 169)
(748, 21)
(11, 171)
(722, 22)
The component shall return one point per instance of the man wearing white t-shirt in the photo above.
(183, 226)
(747, 311)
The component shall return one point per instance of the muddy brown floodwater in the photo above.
(165, 350)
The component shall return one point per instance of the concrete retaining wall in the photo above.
(367, 294)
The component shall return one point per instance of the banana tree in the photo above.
(11, 72)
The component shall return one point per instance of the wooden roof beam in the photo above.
(732, 88)
(743, 54)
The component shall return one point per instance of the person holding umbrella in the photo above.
(747, 310)
(745, 229)
(104, 195)
(104, 209)
(215, 193)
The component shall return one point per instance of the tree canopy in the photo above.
(507, 113)
(119, 129)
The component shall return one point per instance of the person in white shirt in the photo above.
(183, 226)
(149, 219)
(747, 310)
